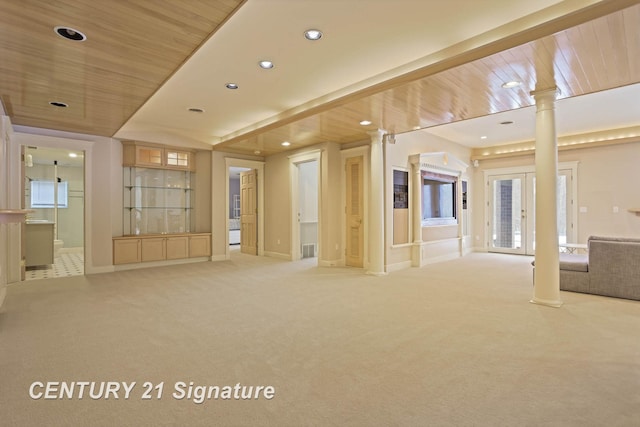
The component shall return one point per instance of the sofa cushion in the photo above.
(574, 262)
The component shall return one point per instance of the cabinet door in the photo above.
(126, 251)
(176, 159)
(177, 247)
(153, 249)
(199, 246)
(149, 156)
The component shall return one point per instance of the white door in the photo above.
(512, 212)
(508, 214)
(565, 209)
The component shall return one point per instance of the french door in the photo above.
(511, 223)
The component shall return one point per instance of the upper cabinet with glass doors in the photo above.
(157, 156)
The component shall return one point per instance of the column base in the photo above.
(548, 303)
(416, 254)
(376, 273)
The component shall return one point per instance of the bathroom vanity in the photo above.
(39, 243)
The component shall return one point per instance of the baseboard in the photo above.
(441, 258)
(398, 266)
(219, 258)
(134, 266)
(99, 270)
(278, 255)
(331, 263)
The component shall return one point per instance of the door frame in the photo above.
(80, 146)
(259, 167)
(573, 166)
(294, 161)
(525, 225)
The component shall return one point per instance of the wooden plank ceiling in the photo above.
(137, 45)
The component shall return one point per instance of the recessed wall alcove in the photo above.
(439, 208)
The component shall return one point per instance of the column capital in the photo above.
(376, 135)
(551, 91)
(545, 98)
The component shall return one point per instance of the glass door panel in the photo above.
(564, 205)
(507, 225)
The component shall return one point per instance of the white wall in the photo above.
(5, 135)
(608, 177)
(278, 211)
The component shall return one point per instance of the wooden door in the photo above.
(355, 203)
(248, 212)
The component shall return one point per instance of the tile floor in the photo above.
(69, 263)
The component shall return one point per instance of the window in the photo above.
(438, 198)
(176, 158)
(42, 194)
(400, 189)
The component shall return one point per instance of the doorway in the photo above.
(307, 209)
(511, 205)
(232, 171)
(305, 173)
(53, 235)
(234, 207)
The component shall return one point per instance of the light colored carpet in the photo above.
(451, 344)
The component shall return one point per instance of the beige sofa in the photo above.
(611, 268)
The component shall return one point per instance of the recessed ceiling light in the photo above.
(483, 137)
(58, 104)
(257, 152)
(365, 122)
(511, 84)
(507, 122)
(313, 34)
(232, 86)
(73, 155)
(196, 110)
(70, 34)
(285, 143)
(267, 65)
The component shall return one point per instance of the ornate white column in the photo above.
(416, 210)
(376, 205)
(546, 289)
